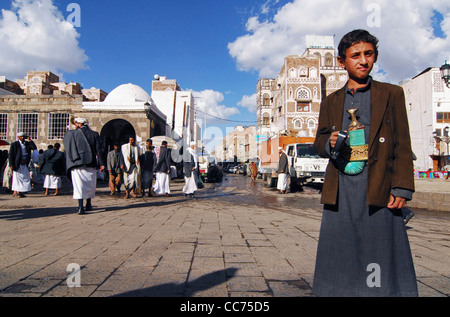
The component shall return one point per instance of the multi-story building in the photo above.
(238, 146)
(428, 107)
(290, 104)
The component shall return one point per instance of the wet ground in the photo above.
(240, 190)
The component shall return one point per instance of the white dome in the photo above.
(126, 94)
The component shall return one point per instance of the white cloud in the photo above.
(407, 43)
(35, 35)
(248, 102)
(210, 102)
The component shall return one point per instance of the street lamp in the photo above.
(445, 73)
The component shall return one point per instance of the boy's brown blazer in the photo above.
(390, 163)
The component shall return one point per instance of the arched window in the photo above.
(328, 60)
(303, 94)
(266, 100)
(266, 119)
(312, 124)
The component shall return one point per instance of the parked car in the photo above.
(232, 169)
(209, 169)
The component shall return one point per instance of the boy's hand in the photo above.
(396, 202)
(333, 138)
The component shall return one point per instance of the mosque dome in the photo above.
(127, 94)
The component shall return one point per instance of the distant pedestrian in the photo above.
(52, 166)
(148, 166)
(114, 162)
(83, 148)
(36, 176)
(131, 168)
(19, 159)
(253, 171)
(190, 164)
(162, 184)
(283, 170)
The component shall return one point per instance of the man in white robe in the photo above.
(131, 168)
(162, 183)
(190, 161)
(283, 170)
(52, 166)
(19, 157)
(83, 148)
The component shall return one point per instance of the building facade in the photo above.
(428, 108)
(42, 106)
(178, 106)
(238, 146)
(290, 104)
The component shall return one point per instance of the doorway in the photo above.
(117, 130)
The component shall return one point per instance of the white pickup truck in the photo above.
(305, 166)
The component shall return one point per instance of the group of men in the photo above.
(124, 163)
(84, 152)
(50, 164)
(127, 165)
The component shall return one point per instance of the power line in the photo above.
(210, 115)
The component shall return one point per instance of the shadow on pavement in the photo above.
(184, 289)
(33, 212)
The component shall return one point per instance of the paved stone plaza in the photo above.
(227, 242)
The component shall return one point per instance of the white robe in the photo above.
(162, 184)
(191, 182)
(52, 182)
(282, 182)
(84, 181)
(21, 180)
(133, 179)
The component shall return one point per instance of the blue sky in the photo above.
(218, 49)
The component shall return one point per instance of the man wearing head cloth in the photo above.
(19, 157)
(162, 169)
(283, 170)
(190, 164)
(83, 148)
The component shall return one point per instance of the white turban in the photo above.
(21, 134)
(81, 120)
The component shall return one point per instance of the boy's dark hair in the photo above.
(354, 37)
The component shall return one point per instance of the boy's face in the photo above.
(359, 60)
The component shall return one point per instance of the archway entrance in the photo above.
(117, 130)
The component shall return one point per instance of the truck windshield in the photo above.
(306, 150)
